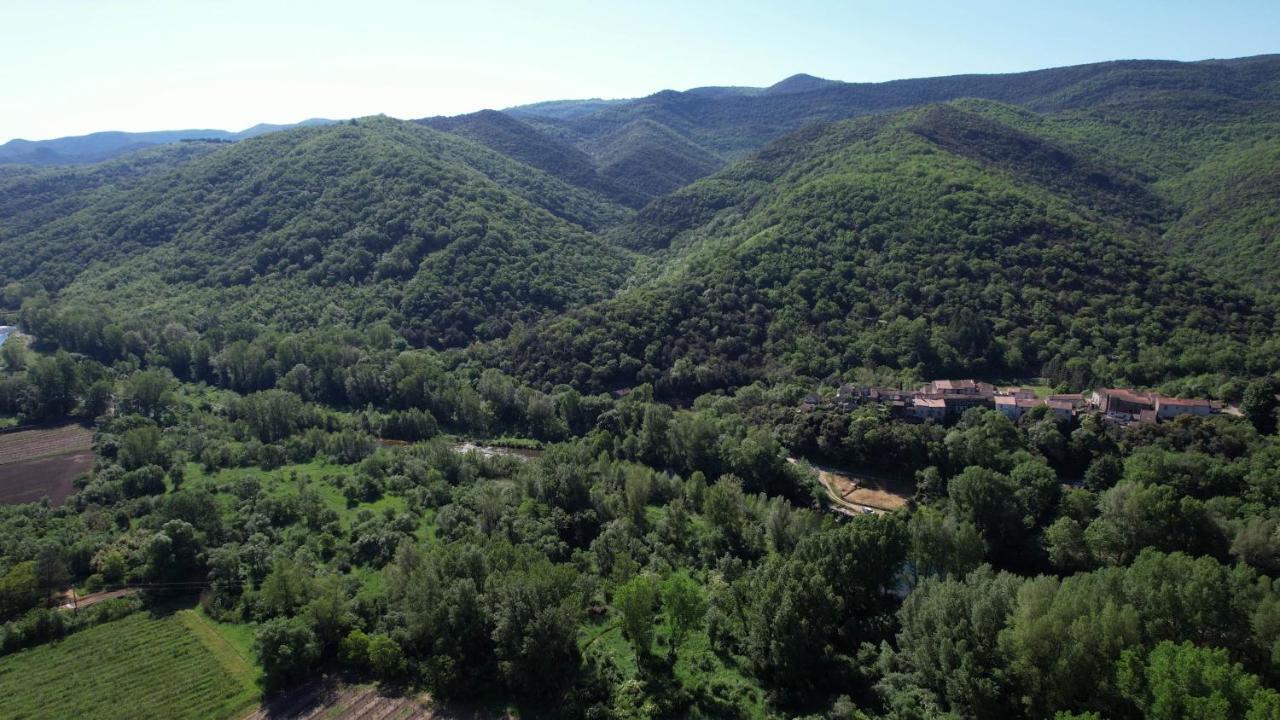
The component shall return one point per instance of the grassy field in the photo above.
(177, 666)
(317, 476)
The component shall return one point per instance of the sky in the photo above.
(71, 67)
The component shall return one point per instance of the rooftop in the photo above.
(1183, 402)
(1126, 395)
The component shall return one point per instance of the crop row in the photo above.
(30, 444)
(135, 667)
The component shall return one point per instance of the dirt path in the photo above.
(330, 699)
(83, 601)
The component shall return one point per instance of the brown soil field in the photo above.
(854, 493)
(331, 700)
(43, 462)
(864, 491)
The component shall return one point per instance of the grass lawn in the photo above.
(175, 666)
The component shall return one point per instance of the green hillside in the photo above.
(1231, 222)
(540, 414)
(648, 160)
(508, 135)
(1196, 135)
(31, 197)
(339, 224)
(730, 125)
(936, 241)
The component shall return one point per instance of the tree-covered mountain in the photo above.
(344, 223)
(510, 136)
(31, 196)
(561, 108)
(933, 241)
(972, 236)
(309, 359)
(99, 146)
(653, 145)
(729, 125)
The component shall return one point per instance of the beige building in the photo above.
(1168, 408)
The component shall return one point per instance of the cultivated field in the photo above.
(138, 667)
(43, 462)
(329, 700)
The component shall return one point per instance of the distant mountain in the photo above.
(648, 159)
(561, 109)
(99, 146)
(521, 141)
(34, 196)
(687, 135)
(799, 83)
(1115, 220)
(731, 125)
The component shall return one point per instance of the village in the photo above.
(947, 400)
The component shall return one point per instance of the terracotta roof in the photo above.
(931, 402)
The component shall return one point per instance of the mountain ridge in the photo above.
(912, 241)
(108, 144)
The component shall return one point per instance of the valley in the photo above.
(691, 405)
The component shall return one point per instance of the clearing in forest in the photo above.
(857, 492)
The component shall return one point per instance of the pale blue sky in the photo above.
(76, 66)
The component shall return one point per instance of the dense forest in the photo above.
(936, 242)
(512, 407)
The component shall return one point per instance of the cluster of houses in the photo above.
(943, 400)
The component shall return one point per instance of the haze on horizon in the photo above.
(76, 67)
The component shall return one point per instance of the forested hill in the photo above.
(733, 124)
(32, 196)
(645, 148)
(503, 411)
(520, 141)
(940, 240)
(99, 146)
(1103, 222)
(346, 223)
